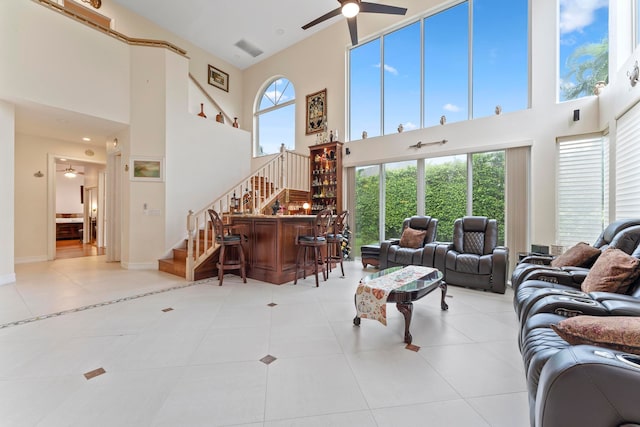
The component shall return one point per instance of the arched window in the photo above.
(275, 117)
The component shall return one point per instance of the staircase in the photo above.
(285, 177)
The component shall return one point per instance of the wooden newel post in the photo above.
(190, 233)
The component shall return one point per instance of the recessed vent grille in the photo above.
(249, 48)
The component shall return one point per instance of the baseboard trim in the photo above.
(7, 279)
(29, 259)
(139, 265)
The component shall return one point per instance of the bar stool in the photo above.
(225, 238)
(335, 239)
(313, 237)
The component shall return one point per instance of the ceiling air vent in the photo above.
(249, 48)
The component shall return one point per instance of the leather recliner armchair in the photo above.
(535, 263)
(565, 284)
(541, 344)
(392, 254)
(474, 258)
(588, 386)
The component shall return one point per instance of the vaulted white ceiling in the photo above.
(217, 25)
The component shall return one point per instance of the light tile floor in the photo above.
(199, 363)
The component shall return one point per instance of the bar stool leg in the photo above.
(221, 266)
(243, 270)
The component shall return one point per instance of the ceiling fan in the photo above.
(350, 9)
(70, 172)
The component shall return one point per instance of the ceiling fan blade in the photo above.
(323, 18)
(381, 8)
(353, 30)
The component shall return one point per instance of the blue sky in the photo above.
(581, 22)
(500, 63)
(500, 67)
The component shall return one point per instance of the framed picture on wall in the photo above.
(218, 78)
(316, 112)
(147, 169)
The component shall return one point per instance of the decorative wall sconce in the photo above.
(634, 74)
(115, 142)
(38, 174)
(95, 3)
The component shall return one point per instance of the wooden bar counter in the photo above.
(271, 251)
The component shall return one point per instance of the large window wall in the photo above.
(469, 60)
(454, 186)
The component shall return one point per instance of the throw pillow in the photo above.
(613, 271)
(580, 255)
(615, 332)
(412, 238)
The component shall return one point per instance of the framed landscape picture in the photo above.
(147, 169)
(218, 78)
(316, 112)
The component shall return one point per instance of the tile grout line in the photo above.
(102, 304)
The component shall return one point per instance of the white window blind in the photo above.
(627, 161)
(581, 190)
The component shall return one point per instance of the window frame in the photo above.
(260, 112)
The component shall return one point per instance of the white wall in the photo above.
(31, 216)
(144, 87)
(68, 191)
(7, 154)
(50, 59)
(126, 22)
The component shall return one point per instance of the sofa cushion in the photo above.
(412, 238)
(613, 271)
(614, 332)
(580, 255)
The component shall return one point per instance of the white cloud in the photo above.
(577, 14)
(409, 126)
(389, 69)
(276, 95)
(451, 107)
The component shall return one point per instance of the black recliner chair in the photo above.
(392, 254)
(585, 385)
(474, 258)
(535, 263)
(566, 284)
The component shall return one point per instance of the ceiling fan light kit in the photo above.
(350, 9)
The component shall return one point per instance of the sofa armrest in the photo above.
(585, 385)
(440, 256)
(561, 277)
(384, 251)
(429, 254)
(500, 268)
(568, 306)
(537, 259)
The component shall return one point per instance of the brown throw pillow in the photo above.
(615, 332)
(613, 271)
(580, 255)
(412, 238)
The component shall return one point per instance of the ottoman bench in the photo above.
(370, 255)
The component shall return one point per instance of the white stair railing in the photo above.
(287, 170)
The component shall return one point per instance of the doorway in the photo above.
(75, 208)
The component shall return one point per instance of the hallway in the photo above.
(76, 249)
